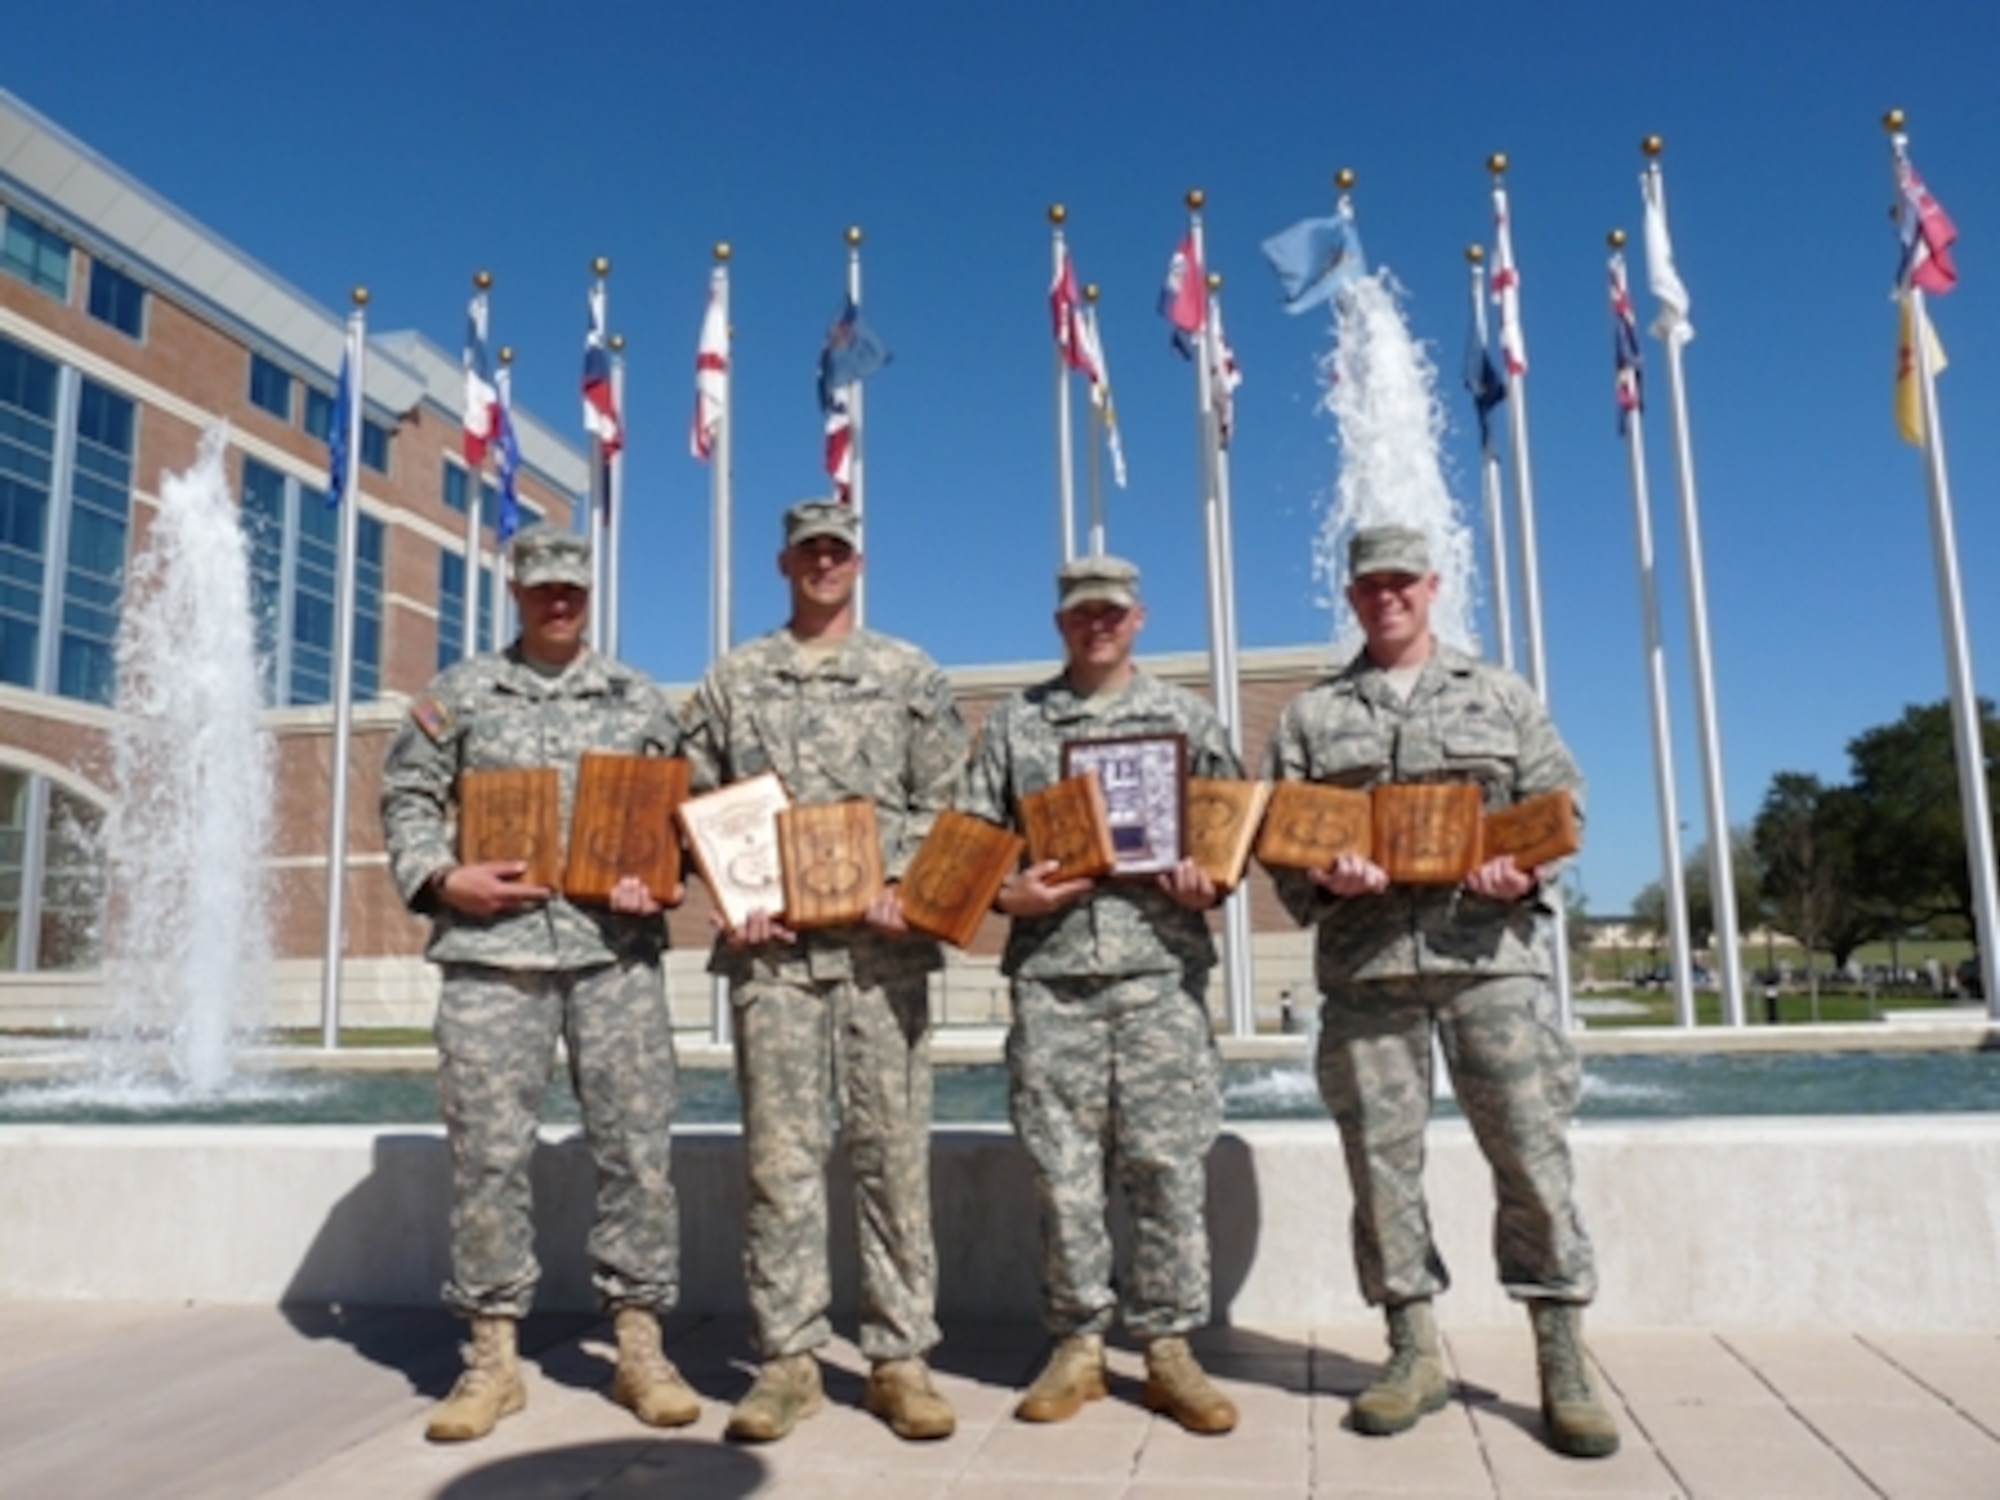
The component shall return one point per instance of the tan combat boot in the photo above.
(1412, 1384)
(647, 1382)
(900, 1393)
(1176, 1386)
(786, 1391)
(1579, 1424)
(1073, 1375)
(489, 1389)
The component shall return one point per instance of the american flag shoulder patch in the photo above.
(430, 716)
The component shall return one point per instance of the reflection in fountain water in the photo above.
(1382, 392)
(186, 917)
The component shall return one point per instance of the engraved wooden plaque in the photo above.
(831, 858)
(1535, 832)
(956, 874)
(733, 835)
(1222, 821)
(1427, 833)
(1068, 823)
(512, 815)
(623, 824)
(1307, 825)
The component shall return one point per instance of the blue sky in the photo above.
(406, 145)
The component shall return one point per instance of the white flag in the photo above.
(1507, 289)
(1091, 346)
(711, 377)
(1672, 322)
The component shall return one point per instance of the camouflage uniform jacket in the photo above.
(873, 718)
(1123, 926)
(497, 712)
(1465, 720)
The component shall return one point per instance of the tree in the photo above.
(1649, 907)
(1804, 835)
(1909, 832)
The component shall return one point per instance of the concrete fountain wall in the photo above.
(1855, 1223)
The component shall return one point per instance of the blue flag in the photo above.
(853, 352)
(509, 520)
(338, 457)
(1315, 258)
(1482, 379)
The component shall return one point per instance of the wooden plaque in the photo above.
(1307, 825)
(623, 824)
(1535, 832)
(1068, 823)
(831, 858)
(1222, 820)
(512, 815)
(1427, 833)
(956, 874)
(733, 835)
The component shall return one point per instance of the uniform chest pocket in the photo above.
(1480, 750)
(1354, 757)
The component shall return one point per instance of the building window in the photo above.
(65, 517)
(294, 546)
(375, 446)
(451, 610)
(454, 494)
(318, 414)
(38, 256)
(51, 875)
(117, 299)
(270, 388)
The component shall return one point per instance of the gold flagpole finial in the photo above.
(1345, 179)
(1057, 213)
(1475, 254)
(1195, 199)
(1497, 163)
(1215, 281)
(506, 354)
(1615, 239)
(1894, 121)
(1652, 145)
(722, 250)
(853, 235)
(361, 296)
(601, 265)
(1090, 291)
(617, 342)
(482, 279)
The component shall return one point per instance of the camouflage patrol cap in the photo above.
(811, 518)
(1083, 580)
(1388, 549)
(548, 553)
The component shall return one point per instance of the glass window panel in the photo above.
(270, 387)
(375, 446)
(38, 256)
(319, 413)
(117, 299)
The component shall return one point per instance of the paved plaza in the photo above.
(108, 1399)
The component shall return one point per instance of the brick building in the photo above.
(126, 331)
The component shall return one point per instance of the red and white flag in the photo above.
(482, 397)
(711, 378)
(1223, 375)
(600, 407)
(1091, 343)
(1184, 297)
(1927, 234)
(1507, 289)
(1066, 312)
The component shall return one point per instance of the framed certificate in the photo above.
(1144, 777)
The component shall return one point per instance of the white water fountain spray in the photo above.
(187, 947)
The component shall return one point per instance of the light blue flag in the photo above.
(1315, 258)
(336, 437)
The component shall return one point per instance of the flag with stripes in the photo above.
(600, 407)
(1927, 234)
(1507, 289)
(482, 399)
(1627, 387)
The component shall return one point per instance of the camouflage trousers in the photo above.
(1516, 1079)
(1118, 1078)
(496, 1036)
(800, 1048)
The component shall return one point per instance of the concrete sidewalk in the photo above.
(100, 1399)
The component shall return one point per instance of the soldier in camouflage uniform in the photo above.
(1469, 963)
(843, 1012)
(522, 966)
(1111, 1060)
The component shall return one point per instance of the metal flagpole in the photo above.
(349, 501)
(599, 475)
(504, 379)
(1237, 978)
(1514, 352)
(1665, 795)
(614, 504)
(857, 487)
(1672, 333)
(1489, 483)
(1065, 461)
(1965, 724)
(721, 626)
(474, 570)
